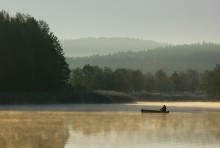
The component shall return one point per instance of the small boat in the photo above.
(153, 111)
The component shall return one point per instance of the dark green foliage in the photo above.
(188, 85)
(150, 82)
(162, 81)
(31, 58)
(192, 80)
(126, 80)
(93, 78)
(176, 81)
(211, 81)
(137, 79)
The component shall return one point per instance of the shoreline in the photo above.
(89, 97)
(126, 107)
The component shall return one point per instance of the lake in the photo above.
(189, 124)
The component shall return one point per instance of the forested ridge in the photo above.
(103, 46)
(200, 56)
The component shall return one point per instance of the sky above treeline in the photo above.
(170, 21)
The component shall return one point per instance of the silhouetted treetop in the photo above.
(31, 57)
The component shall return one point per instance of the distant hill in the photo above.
(172, 58)
(103, 46)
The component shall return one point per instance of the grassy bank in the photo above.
(64, 97)
(176, 97)
(98, 96)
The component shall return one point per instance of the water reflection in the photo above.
(32, 130)
(93, 123)
(108, 129)
(141, 130)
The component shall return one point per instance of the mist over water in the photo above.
(109, 129)
(134, 107)
(184, 106)
(145, 130)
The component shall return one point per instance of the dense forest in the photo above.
(34, 69)
(127, 80)
(170, 58)
(31, 57)
(103, 46)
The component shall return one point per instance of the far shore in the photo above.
(91, 97)
(130, 107)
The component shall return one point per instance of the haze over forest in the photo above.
(103, 46)
(170, 58)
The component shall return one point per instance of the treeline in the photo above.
(31, 57)
(211, 81)
(127, 80)
(201, 56)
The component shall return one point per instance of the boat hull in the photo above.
(152, 111)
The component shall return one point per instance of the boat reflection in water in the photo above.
(108, 129)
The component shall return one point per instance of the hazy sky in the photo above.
(172, 21)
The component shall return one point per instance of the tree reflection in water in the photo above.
(33, 130)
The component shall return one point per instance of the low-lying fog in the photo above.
(171, 106)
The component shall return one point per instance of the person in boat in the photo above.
(163, 109)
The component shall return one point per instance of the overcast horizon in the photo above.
(171, 21)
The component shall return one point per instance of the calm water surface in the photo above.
(186, 127)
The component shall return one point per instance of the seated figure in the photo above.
(163, 109)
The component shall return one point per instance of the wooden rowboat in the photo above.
(153, 111)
